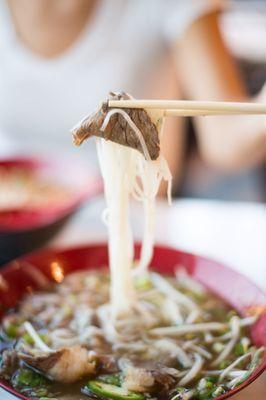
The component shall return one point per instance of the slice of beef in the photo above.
(66, 365)
(118, 130)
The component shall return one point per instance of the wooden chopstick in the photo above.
(204, 107)
(204, 113)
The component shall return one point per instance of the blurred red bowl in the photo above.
(27, 274)
(22, 230)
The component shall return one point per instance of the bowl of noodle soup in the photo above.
(36, 272)
(37, 197)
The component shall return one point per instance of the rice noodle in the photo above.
(145, 310)
(165, 287)
(64, 338)
(172, 311)
(197, 366)
(175, 350)
(36, 338)
(192, 317)
(114, 161)
(186, 281)
(233, 365)
(235, 328)
(236, 381)
(188, 328)
(135, 346)
(103, 313)
(222, 338)
(83, 318)
(197, 349)
(127, 173)
(231, 374)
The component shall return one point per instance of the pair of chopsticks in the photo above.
(187, 108)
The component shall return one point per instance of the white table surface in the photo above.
(234, 233)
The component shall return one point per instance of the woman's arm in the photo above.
(208, 72)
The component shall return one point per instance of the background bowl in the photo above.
(30, 272)
(22, 231)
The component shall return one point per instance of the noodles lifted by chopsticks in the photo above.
(132, 166)
(127, 173)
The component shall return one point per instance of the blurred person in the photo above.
(59, 59)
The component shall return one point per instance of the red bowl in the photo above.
(23, 230)
(65, 172)
(28, 274)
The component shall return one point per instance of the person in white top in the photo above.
(60, 58)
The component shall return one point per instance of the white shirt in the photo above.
(41, 99)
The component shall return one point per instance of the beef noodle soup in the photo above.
(182, 342)
(127, 333)
(24, 189)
